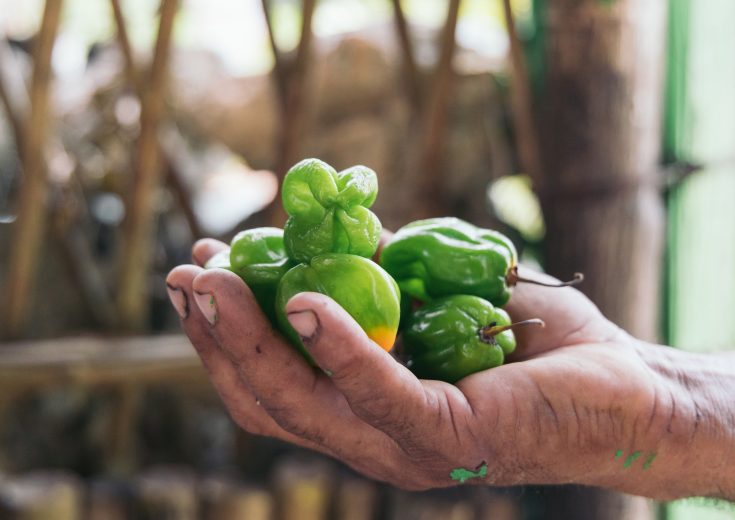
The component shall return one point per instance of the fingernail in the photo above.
(305, 323)
(206, 304)
(178, 300)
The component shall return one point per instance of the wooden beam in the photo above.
(28, 230)
(139, 225)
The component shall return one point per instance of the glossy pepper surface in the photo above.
(444, 256)
(455, 336)
(328, 210)
(358, 284)
(258, 256)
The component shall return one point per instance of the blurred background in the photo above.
(598, 134)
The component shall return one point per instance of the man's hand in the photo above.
(583, 402)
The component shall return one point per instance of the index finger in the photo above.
(205, 249)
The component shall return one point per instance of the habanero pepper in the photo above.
(258, 256)
(357, 284)
(445, 256)
(328, 210)
(452, 337)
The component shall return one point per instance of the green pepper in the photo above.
(358, 284)
(328, 210)
(258, 256)
(455, 336)
(444, 256)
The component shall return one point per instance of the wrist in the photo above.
(692, 426)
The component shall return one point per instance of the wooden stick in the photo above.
(131, 72)
(410, 70)
(280, 71)
(173, 176)
(436, 114)
(70, 237)
(138, 232)
(526, 131)
(29, 229)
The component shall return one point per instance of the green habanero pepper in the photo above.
(328, 210)
(444, 256)
(358, 284)
(258, 256)
(450, 338)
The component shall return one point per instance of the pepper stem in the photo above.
(512, 278)
(488, 333)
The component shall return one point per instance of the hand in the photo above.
(583, 402)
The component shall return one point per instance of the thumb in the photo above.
(379, 390)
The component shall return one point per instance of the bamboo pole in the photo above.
(436, 117)
(172, 174)
(131, 71)
(70, 236)
(139, 225)
(29, 228)
(526, 132)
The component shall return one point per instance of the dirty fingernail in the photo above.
(178, 300)
(304, 323)
(206, 304)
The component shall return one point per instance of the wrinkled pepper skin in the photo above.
(258, 256)
(443, 340)
(357, 284)
(444, 256)
(328, 210)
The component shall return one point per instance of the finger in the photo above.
(300, 400)
(241, 403)
(378, 389)
(205, 249)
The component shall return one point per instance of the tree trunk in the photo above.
(604, 213)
